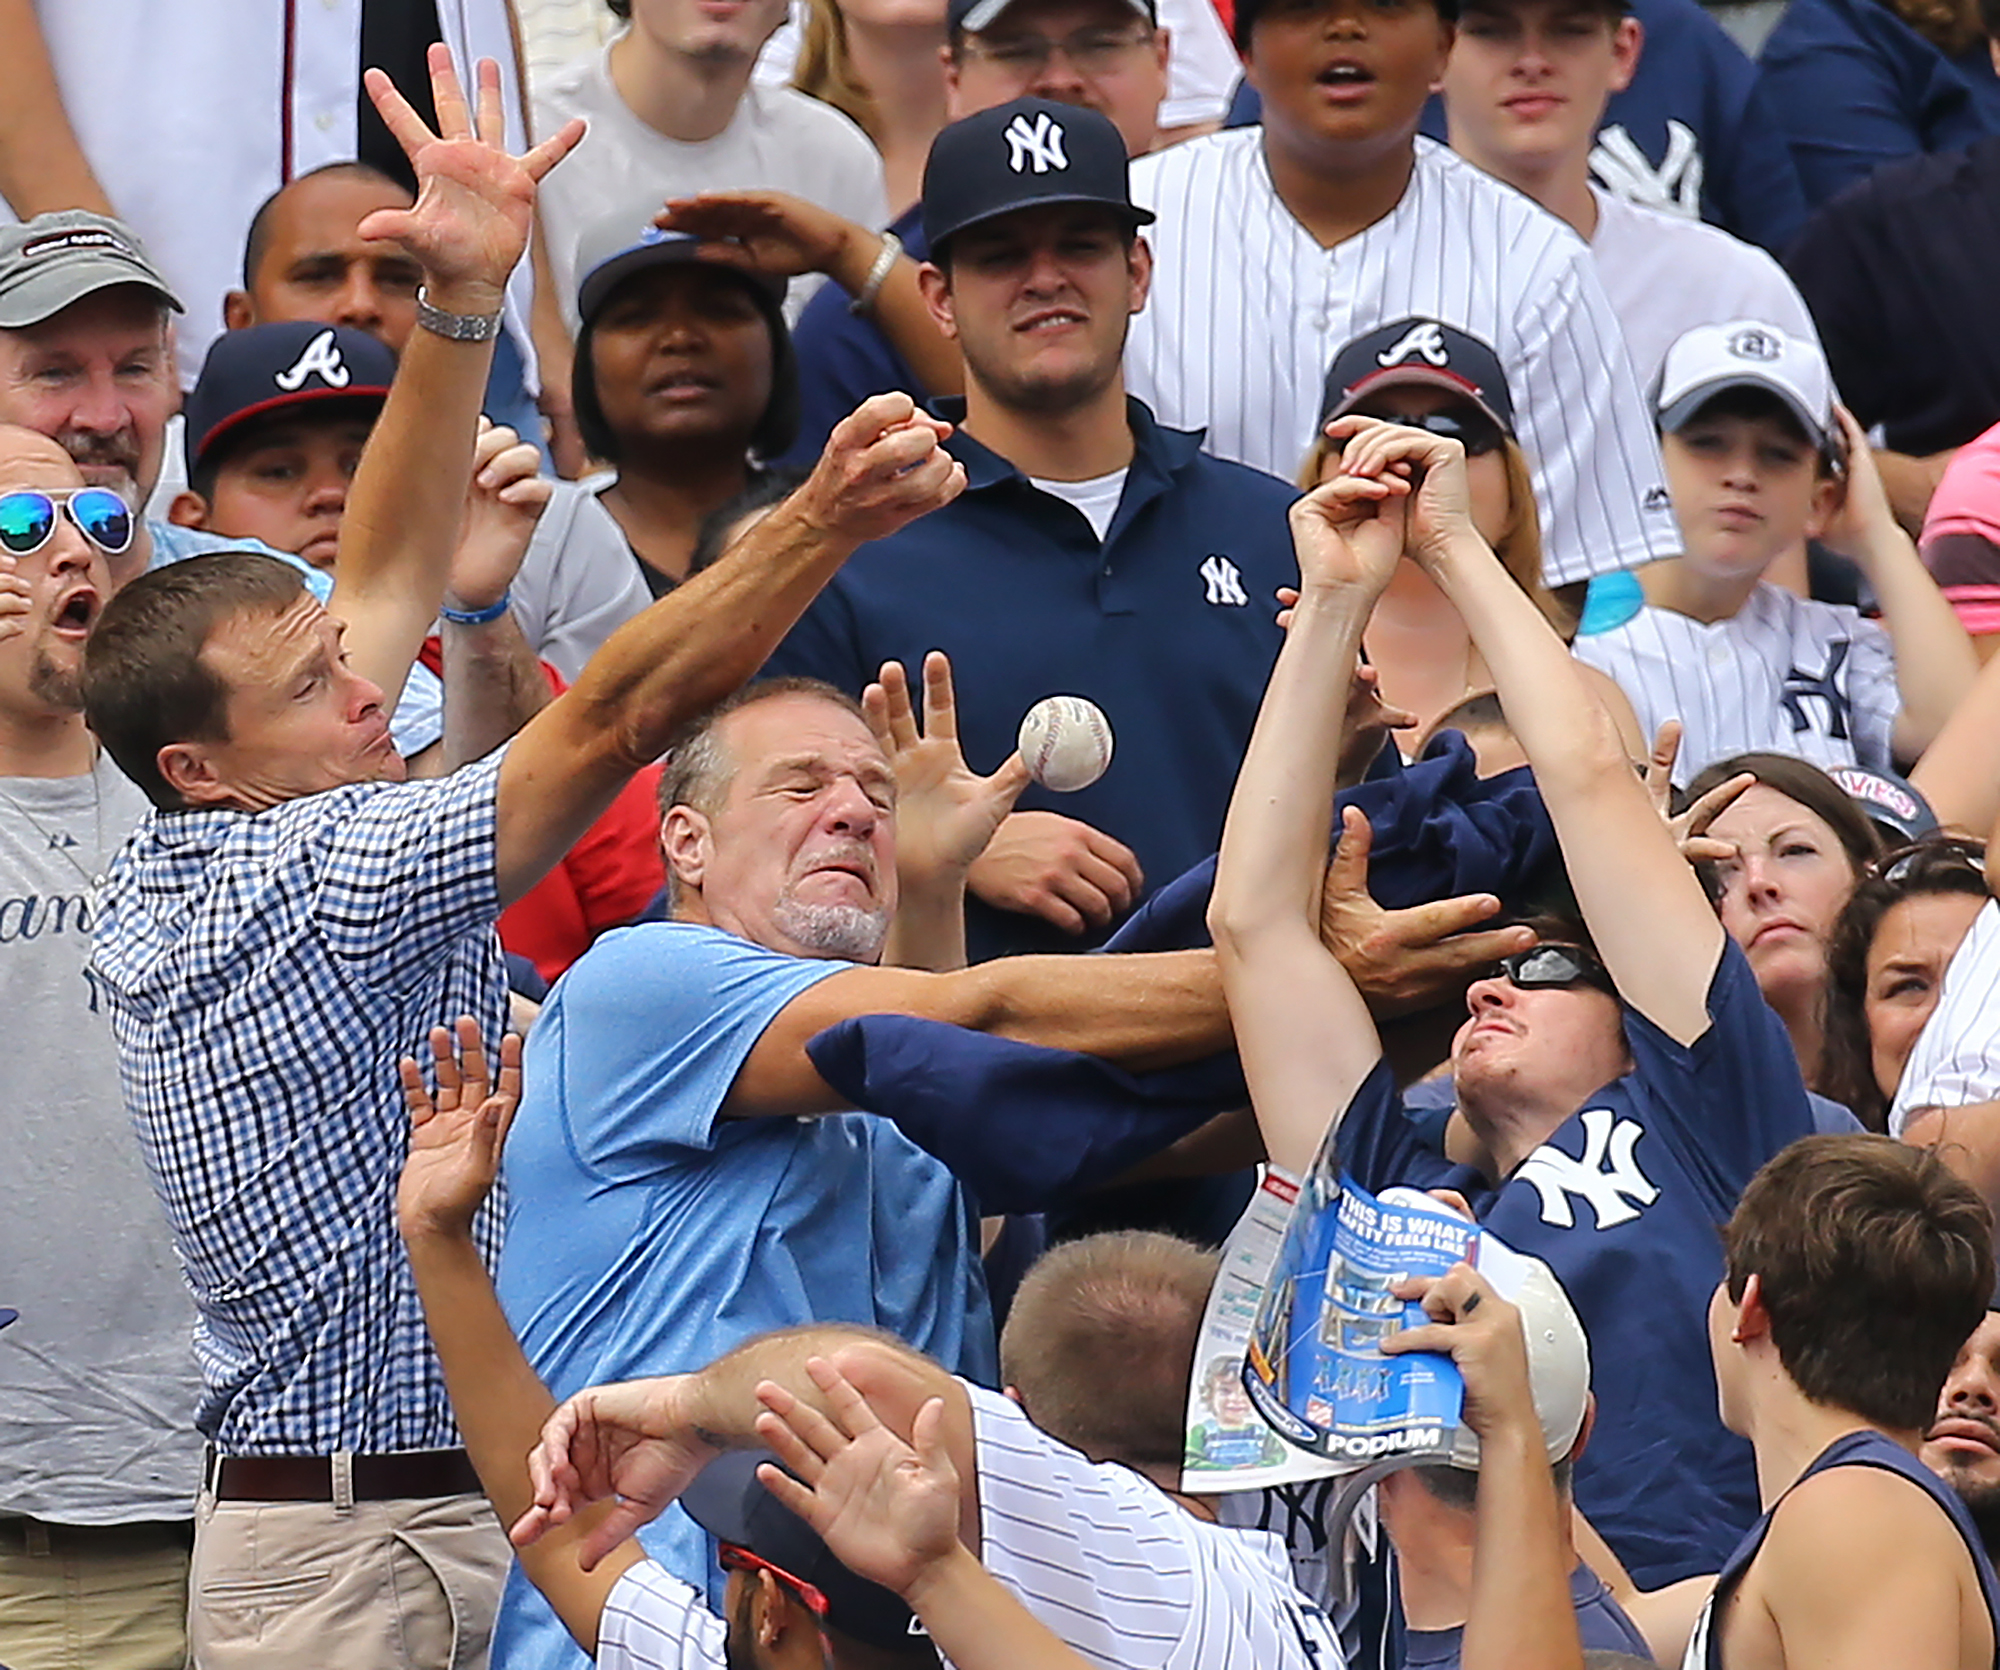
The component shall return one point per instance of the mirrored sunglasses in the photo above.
(28, 519)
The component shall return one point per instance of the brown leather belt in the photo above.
(309, 1478)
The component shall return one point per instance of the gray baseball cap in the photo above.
(59, 258)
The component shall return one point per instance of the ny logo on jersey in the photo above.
(1038, 144)
(1424, 341)
(320, 359)
(1608, 1177)
(1802, 686)
(1224, 581)
(1674, 187)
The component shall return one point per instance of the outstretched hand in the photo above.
(888, 1510)
(475, 200)
(1482, 1333)
(1403, 961)
(884, 466)
(456, 1135)
(945, 812)
(760, 231)
(1690, 828)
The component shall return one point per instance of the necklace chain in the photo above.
(93, 877)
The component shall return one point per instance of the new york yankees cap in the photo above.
(59, 258)
(1747, 353)
(729, 1502)
(1895, 806)
(271, 368)
(1021, 155)
(974, 17)
(1418, 350)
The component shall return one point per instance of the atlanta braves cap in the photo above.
(272, 368)
(974, 17)
(59, 258)
(1895, 806)
(1022, 155)
(1418, 350)
(728, 1501)
(1746, 353)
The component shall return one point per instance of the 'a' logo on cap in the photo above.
(1037, 145)
(1754, 344)
(320, 359)
(1421, 341)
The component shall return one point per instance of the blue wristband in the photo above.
(475, 617)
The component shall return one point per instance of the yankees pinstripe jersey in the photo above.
(654, 1621)
(1783, 673)
(1247, 310)
(1956, 1059)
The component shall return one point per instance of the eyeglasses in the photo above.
(735, 1557)
(1921, 860)
(1472, 429)
(28, 519)
(1089, 51)
(1542, 967)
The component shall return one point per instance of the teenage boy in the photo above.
(1856, 1267)
(1276, 245)
(1525, 93)
(1755, 451)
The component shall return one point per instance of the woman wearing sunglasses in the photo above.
(1625, 1079)
(1438, 378)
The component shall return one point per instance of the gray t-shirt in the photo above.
(97, 1378)
(579, 581)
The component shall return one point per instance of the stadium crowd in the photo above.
(580, 1086)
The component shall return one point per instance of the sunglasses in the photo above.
(1543, 967)
(1473, 430)
(735, 1557)
(1921, 860)
(28, 519)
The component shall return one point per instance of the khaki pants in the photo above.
(407, 1585)
(93, 1597)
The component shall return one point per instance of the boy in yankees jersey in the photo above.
(1619, 1096)
(1856, 1268)
(1760, 460)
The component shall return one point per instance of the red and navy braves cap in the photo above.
(274, 368)
(1021, 155)
(1418, 350)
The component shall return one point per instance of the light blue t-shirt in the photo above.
(647, 1236)
(419, 717)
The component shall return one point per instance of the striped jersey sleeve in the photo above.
(1124, 1574)
(654, 1621)
(1956, 1059)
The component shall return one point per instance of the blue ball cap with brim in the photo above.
(1025, 155)
(283, 366)
(1897, 807)
(621, 244)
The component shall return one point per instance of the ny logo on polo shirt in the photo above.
(1037, 144)
(1424, 341)
(1224, 581)
(1607, 1178)
(320, 358)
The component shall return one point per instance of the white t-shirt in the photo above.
(778, 140)
(1248, 309)
(579, 581)
(1956, 1059)
(1666, 274)
(1096, 498)
(1783, 673)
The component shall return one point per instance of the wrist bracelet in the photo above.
(885, 262)
(455, 327)
(474, 617)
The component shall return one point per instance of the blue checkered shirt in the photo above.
(263, 973)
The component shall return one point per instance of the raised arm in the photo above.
(1305, 1035)
(1653, 926)
(883, 466)
(42, 167)
(467, 228)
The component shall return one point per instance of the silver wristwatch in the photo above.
(458, 327)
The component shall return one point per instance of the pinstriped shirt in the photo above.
(1247, 310)
(263, 972)
(1956, 1059)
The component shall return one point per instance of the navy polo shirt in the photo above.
(844, 358)
(1169, 626)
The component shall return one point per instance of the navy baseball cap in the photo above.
(273, 368)
(627, 241)
(1895, 806)
(727, 1501)
(1021, 155)
(973, 17)
(1418, 350)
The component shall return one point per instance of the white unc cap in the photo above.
(1746, 353)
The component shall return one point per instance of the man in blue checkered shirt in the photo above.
(295, 915)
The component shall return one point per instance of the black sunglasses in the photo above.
(1556, 966)
(1921, 860)
(1472, 429)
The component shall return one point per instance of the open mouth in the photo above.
(1345, 76)
(78, 613)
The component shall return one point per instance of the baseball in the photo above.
(1066, 742)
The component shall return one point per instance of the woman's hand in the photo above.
(1439, 505)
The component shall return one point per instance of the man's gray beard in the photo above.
(853, 933)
